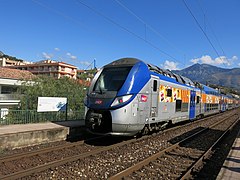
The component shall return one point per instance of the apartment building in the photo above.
(49, 68)
(6, 60)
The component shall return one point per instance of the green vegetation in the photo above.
(50, 87)
(11, 57)
(86, 74)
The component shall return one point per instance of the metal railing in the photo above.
(8, 117)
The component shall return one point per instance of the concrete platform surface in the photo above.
(231, 166)
(14, 136)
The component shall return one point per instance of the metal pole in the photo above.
(66, 118)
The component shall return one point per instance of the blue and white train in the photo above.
(129, 96)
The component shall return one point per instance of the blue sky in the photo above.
(160, 32)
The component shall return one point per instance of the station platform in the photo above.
(21, 135)
(231, 166)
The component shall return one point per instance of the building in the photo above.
(85, 76)
(49, 68)
(10, 79)
(6, 60)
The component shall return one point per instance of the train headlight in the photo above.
(120, 100)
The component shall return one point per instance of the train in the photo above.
(129, 96)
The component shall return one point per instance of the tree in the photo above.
(50, 87)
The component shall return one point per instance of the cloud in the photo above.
(56, 49)
(170, 65)
(71, 56)
(47, 56)
(222, 60)
(85, 63)
(234, 58)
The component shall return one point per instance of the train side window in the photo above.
(184, 107)
(154, 85)
(169, 93)
(178, 105)
(198, 99)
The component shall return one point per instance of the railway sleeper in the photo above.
(155, 175)
(186, 164)
(166, 157)
(183, 155)
(150, 169)
(178, 171)
(141, 174)
(156, 164)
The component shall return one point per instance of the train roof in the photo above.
(168, 73)
(123, 62)
(209, 90)
(165, 74)
(153, 68)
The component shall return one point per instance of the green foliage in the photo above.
(11, 57)
(87, 74)
(51, 87)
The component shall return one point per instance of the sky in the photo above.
(171, 34)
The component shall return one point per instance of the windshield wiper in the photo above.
(101, 90)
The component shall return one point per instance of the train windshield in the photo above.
(111, 79)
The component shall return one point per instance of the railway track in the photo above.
(82, 150)
(50, 158)
(186, 156)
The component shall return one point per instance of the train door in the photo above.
(221, 102)
(154, 97)
(192, 112)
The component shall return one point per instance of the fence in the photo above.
(9, 116)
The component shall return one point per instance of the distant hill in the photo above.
(204, 73)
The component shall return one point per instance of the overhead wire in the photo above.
(211, 29)
(208, 39)
(125, 29)
(147, 25)
(58, 12)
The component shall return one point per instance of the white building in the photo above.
(10, 79)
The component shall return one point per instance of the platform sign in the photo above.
(46, 104)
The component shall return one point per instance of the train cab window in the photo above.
(111, 79)
(198, 99)
(169, 92)
(154, 85)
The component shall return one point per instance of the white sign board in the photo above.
(46, 104)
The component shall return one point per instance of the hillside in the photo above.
(204, 73)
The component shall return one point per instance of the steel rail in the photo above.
(207, 154)
(54, 164)
(36, 152)
(146, 161)
(16, 156)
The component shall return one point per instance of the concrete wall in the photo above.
(23, 139)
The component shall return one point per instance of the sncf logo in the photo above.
(144, 98)
(98, 101)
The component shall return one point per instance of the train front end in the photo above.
(111, 96)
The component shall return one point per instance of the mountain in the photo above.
(205, 73)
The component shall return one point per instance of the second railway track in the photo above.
(181, 159)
